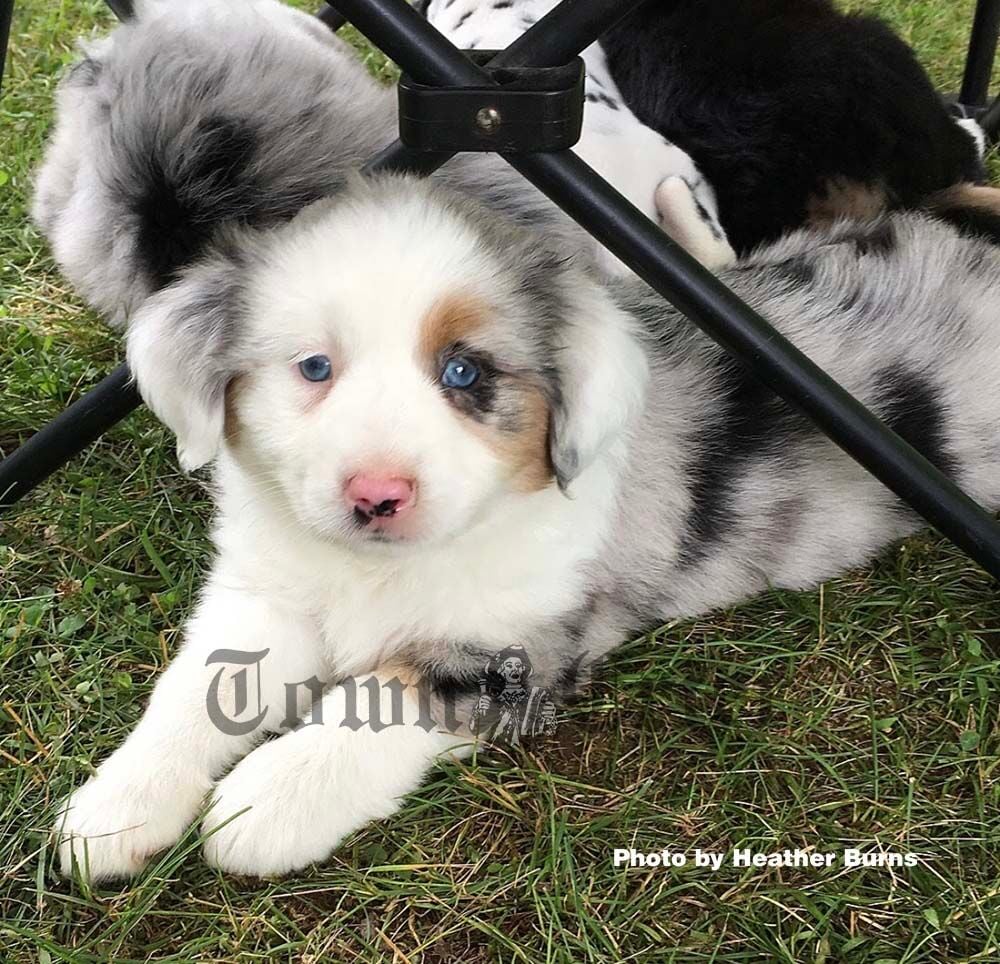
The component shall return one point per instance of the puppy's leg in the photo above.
(148, 791)
(690, 223)
(291, 801)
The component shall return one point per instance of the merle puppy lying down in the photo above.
(425, 453)
(433, 434)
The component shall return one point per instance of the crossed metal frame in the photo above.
(429, 58)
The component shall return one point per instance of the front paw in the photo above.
(114, 823)
(285, 807)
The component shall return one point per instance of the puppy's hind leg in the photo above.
(690, 224)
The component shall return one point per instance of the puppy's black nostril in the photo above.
(386, 508)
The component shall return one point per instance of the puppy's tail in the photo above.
(973, 209)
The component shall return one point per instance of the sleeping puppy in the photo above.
(658, 177)
(428, 453)
(204, 113)
(796, 111)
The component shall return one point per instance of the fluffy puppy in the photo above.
(796, 111)
(204, 113)
(659, 178)
(428, 453)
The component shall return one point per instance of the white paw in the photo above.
(294, 814)
(292, 801)
(113, 824)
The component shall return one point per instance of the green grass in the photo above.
(865, 712)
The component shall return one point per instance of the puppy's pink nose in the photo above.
(378, 497)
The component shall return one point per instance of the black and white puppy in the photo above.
(796, 112)
(659, 178)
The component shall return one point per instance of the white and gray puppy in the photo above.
(426, 453)
(204, 113)
(658, 177)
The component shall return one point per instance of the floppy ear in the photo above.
(185, 345)
(603, 373)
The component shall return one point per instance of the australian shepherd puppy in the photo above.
(440, 443)
(796, 111)
(428, 453)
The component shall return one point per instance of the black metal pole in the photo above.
(68, 434)
(6, 16)
(570, 183)
(554, 40)
(981, 55)
(122, 9)
(989, 120)
(331, 17)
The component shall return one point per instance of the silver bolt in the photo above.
(488, 119)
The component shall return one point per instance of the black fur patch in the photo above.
(567, 678)
(911, 406)
(752, 423)
(972, 221)
(453, 686)
(172, 209)
(798, 271)
(85, 72)
(776, 97)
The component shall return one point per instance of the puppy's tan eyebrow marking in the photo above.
(452, 319)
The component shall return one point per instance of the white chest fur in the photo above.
(523, 565)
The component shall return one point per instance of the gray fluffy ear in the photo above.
(603, 374)
(184, 346)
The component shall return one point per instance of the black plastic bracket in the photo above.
(526, 110)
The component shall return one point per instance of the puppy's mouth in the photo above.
(381, 524)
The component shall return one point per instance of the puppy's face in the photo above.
(398, 366)
(396, 394)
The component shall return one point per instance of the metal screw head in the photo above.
(488, 119)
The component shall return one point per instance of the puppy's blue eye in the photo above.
(316, 368)
(459, 373)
